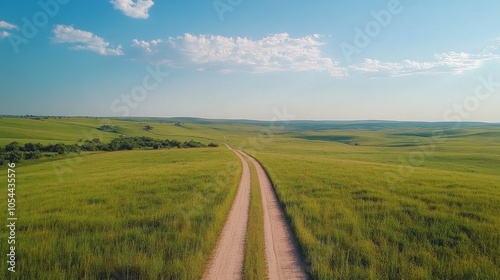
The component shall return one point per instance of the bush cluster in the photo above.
(14, 152)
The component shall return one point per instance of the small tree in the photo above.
(107, 128)
(14, 146)
(148, 127)
(30, 147)
(88, 146)
(192, 144)
(73, 148)
(60, 148)
(33, 155)
(14, 156)
(112, 146)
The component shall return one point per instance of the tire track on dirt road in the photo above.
(282, 255)
(227, 261)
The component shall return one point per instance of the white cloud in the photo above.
(493, 48)
(147, 46)
(278, 52)
(84, 40)
(6, 25)
(459, 62)
(134, 8)
(449, 62)
(4, 34)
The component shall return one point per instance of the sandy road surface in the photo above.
(282, 257)
(227, 262)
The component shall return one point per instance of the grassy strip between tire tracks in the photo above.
(255, 262)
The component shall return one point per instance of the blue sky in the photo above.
(336, 60)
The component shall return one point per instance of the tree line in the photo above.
(15, 152)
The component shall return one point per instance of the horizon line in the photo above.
(245, 119)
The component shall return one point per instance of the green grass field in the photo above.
(152, 214)
(438, 220)
(365, 201)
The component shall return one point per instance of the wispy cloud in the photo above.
(281, 52)
(278, 52)
(4, 34)
(493, 48)
(84, 40)
(449, 62)
(6, 25)
(134, 8)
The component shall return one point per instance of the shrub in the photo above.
(33, 155)
(13, 156)
(30, 147)
(192, 144)
(107, 128)
(14, 146)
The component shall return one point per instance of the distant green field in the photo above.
(437, 220)
(71, 130)
(152, 214)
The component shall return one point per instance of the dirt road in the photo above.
(227, 262)
(282, 257)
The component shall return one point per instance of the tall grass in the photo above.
(440, 222)
(146, 214)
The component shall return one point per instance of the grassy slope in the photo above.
(46, 131)
(151, 213)
(440, 221)
(70, 130)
